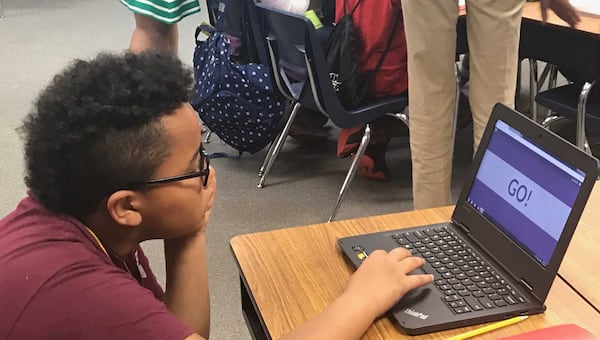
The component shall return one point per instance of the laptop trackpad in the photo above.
(421, 307)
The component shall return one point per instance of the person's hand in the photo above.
(381, 280)
(563, 10)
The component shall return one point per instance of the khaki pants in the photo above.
(493, 28)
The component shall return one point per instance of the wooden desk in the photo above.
(580, 268)
(289, 275)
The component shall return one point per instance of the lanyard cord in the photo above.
(104, 249)
(97, 241)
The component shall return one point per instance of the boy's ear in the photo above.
(123, 207)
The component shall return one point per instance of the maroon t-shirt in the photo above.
(57, 283)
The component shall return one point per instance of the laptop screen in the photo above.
(525, 191)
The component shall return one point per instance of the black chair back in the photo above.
(253, 36)
(574, 44)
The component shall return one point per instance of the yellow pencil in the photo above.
(488, 328)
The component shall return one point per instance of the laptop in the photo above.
(510, 229)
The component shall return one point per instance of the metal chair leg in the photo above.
(207, 136)
(271, 150)
(533, 87)
(278, 145)
(352, 171)
(581, 105)
(553, 77)
(268, 156)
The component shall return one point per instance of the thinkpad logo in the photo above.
(416, 314)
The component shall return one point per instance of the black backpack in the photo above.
(344, 43)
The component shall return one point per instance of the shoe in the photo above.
(309, 134)
(372, 164)
(349, 140)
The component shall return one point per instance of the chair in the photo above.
(301, 73)
(569, 101)
(576, 101)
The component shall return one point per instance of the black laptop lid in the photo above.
(528, 190)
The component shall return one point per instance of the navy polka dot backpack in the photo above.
(235, 101)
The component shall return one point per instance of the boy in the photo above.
(114, 157)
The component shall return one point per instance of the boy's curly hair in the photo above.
(97, 127)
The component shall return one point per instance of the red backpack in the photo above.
(379, 24)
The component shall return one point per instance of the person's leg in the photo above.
(493, 30)
(430, 28)
(150, 34)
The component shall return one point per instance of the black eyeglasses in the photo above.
(204, 166)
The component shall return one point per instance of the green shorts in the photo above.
(166, 11)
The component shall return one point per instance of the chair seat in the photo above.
(372, 110)
(563, 100)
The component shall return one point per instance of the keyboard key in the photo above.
(453, 281)
(482, 284)
(478, 294)
(510, 299)
(477, 278)
(430, 232)
(473, 303)
(427, 254)
(489, 291)
(495, 297)
(473, 288)
(401, 241)
(466, 282)
(419, 234)
(519, 298)
(457, 303)
(451, 298)
(442, 270)
(487, 303)
(500, 303)
(462, 310)
(410, 237)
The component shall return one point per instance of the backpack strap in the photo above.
(203, 28)
(353, 9)
(388, 43)
(372, 73)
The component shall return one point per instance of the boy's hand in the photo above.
(381, 280)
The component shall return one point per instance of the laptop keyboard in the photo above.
(467, 281)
